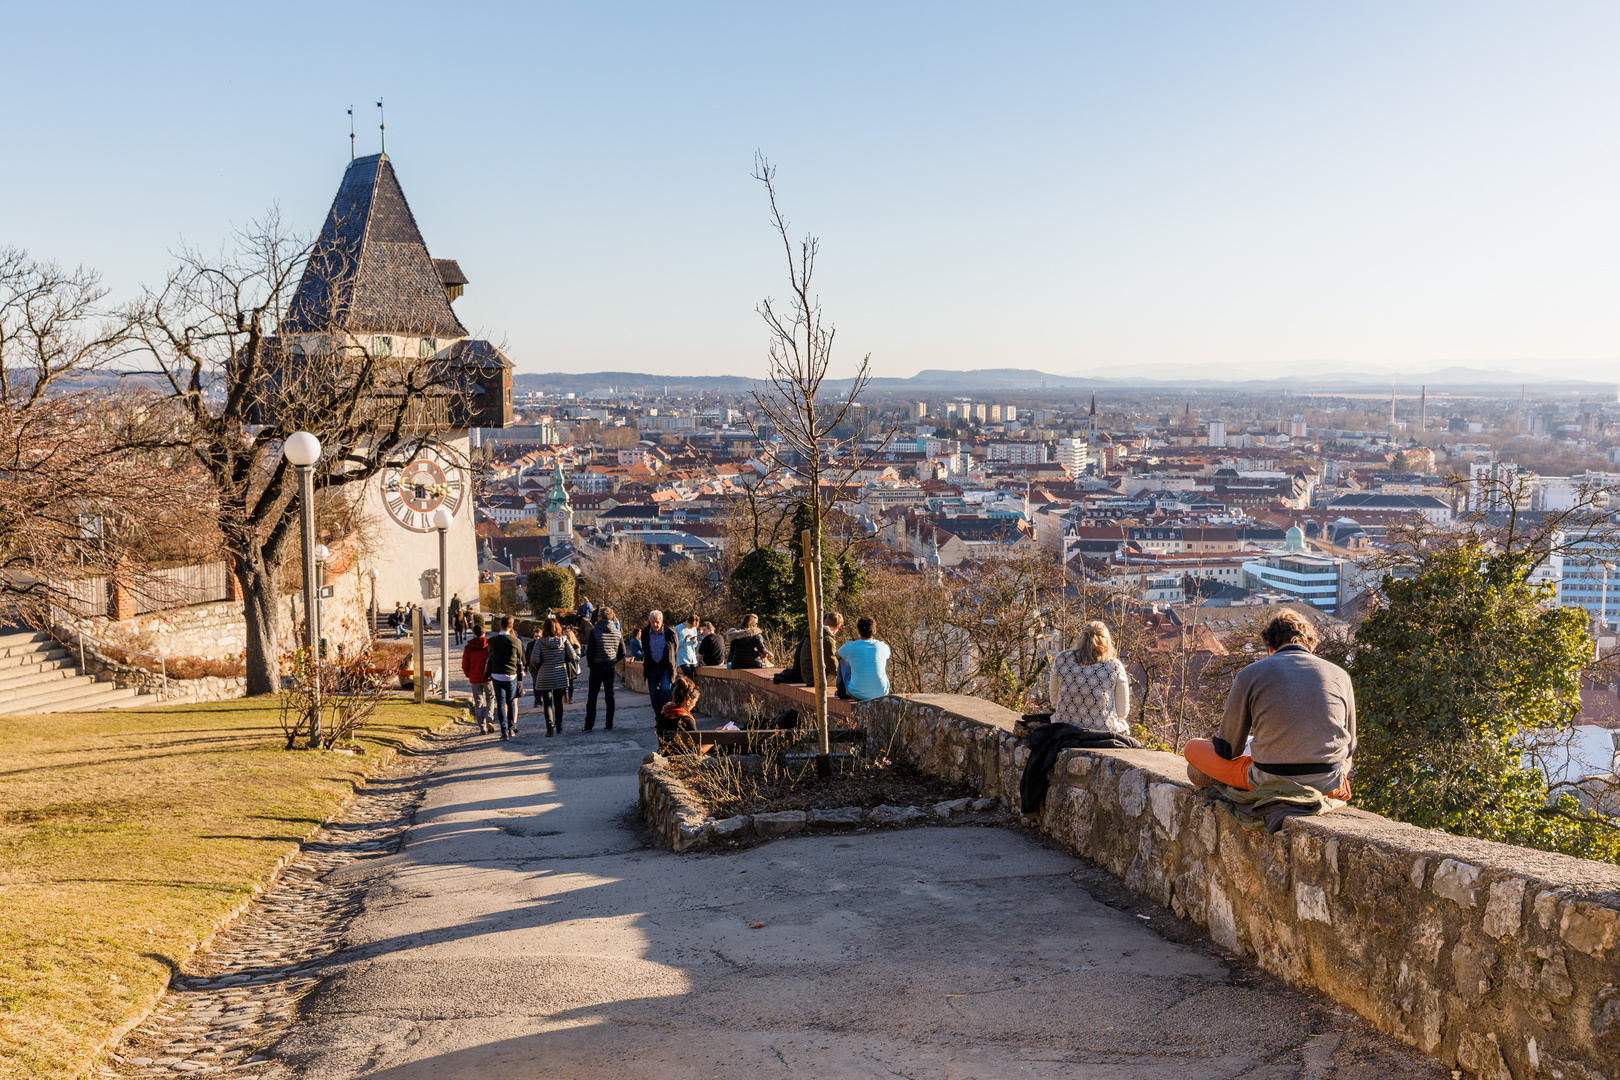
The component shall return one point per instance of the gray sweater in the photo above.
(1300, 709)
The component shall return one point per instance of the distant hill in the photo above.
(1455, 379)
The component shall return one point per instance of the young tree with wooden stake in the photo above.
(800, 356)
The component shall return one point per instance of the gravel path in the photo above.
(240, 995)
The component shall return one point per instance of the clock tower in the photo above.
(374, 284)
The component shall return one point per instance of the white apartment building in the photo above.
(1073, 455)
(1018, 453)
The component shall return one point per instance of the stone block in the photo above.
(1480, 1055)
(1163, 798)
(1546, 907)
(732, 827)
(1606, 1017)
(1457, 882)
(779, 823)
(1132, 792)
(950, 806)
(989, 802)
(1591, 928)
(894, 815)
(1471, 964)
(1504, 907)
(1554, 984)
(689, 835)
(843, 815)
(1310, 903)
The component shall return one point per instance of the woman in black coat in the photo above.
(747, 646)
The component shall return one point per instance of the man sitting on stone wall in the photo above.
(1290, 720)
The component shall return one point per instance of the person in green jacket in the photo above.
(505, 672)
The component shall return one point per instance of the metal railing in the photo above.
(163, 661)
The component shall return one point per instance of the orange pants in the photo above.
(1201, 755)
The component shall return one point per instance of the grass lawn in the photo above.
(125, 834)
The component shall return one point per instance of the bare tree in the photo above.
(242, 371)
(74, 496)
(800, 357)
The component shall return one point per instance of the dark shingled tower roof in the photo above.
(370, 271)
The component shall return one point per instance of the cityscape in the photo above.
(1045, 542)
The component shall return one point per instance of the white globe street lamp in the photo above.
(304, 450)
(442, 520)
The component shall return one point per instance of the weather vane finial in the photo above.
(351, 132)
(382, 125)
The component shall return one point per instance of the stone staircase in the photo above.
(38, 675)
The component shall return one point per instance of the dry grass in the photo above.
(181, 667)
(730, 785)
(124, 836)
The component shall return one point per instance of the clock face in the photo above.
(412, 489)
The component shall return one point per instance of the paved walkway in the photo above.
(526, 929)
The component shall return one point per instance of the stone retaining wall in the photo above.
(211, 630)
(1503, 961)
(122, 675)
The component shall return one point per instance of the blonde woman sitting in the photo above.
(1090, 688)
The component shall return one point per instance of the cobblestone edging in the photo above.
(672, 811)
(238, 994)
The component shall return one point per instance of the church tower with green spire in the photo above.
(559, 513)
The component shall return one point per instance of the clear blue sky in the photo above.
(1069, 187)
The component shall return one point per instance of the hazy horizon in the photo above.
(1067, 188)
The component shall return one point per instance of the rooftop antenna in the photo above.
(382, 125)
(351, 132)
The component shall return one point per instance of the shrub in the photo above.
(1451, 677)
(550, 587)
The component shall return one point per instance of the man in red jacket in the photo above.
(474, 660)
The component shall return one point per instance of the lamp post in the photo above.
(373, 574)
(442, 520)
(321, 555)
(304, 450)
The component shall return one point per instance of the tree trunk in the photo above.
(262, 654)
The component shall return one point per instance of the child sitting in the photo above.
(676, 715)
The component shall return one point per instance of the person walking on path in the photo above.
(747, 647)
(548, 658)
(474, 665)
(396, 620)
(868, 663)
(455, 615)
(505, 668)
(586, 611)
(1294, 711)
(604, 648)
(573, 665)
(657, 658)
(1090, 687)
